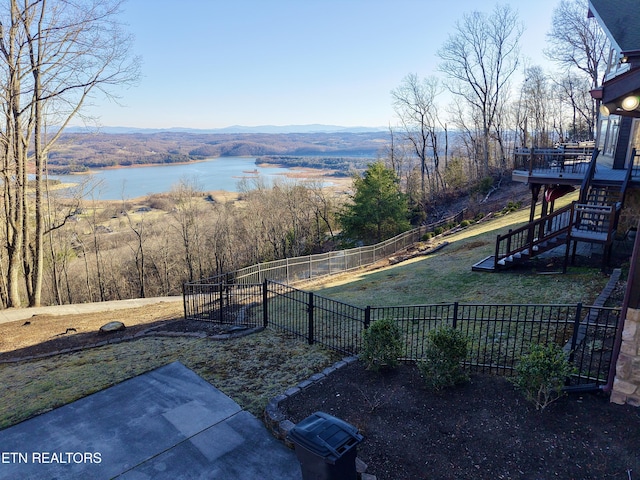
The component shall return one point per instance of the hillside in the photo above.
(77, 152)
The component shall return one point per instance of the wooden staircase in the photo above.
(521, 244)
(593, 218)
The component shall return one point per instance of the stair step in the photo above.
(485, 265)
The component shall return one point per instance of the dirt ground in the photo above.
(42, 334)
(484, 429)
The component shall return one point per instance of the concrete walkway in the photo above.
(13, 314)
(166, 424)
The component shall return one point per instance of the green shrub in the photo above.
(465, 223)
(382, 345)
(441, 365)
(541, 374)
(485, 185)
(511, 207)
(438, 230)
(427, 236)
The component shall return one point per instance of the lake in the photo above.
(223, 173)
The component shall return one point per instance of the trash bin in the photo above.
(326, 447)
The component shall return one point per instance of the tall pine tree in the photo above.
(378, 209)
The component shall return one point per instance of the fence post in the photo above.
(184, 300)
(367, 317)
(576, 328)
(220, 301)
(265, 310)
(287, 263)
(310, 309)
(455, 315)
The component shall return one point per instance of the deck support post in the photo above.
(535, 193)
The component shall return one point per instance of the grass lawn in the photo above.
(446, 276)
(250, 369)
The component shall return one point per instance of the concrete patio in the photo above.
(167, 423)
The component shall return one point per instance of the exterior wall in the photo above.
(630, 216)
(626, 386)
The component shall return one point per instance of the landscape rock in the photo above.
(112, 327)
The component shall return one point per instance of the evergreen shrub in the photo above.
(441, 366)
(382, 345)
(541, 374)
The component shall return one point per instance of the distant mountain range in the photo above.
(314, 128)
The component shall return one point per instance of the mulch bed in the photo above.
(484, 429)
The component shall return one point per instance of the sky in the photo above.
(218, 63)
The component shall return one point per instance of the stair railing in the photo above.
(586, 181)
(533, 238)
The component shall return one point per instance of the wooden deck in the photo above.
(604, 176)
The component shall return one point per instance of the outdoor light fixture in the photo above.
(630, 103)
(607, 109)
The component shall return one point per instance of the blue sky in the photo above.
(217, 63)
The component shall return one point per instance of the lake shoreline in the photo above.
(326, 178)
(231, 174)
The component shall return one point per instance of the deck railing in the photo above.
(533, 238)
(563, 159)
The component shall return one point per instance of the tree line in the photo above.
(118, 250)
(489, 111)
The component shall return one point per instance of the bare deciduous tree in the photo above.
(577, 42)
(414, 104)
(578, 45)
(55, 55)
(479, 58)
(535, 97)
(572, 91)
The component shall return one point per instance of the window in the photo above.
(608, 135)
(635, 135)
(602, 134)
(612, 136)
(634, 141)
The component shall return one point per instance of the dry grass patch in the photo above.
(250, 370)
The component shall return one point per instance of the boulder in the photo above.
(112, 327)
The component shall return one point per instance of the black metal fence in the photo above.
(224, 303)
(498, 334)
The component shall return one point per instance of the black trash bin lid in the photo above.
(325, 435)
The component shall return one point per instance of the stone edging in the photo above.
(279, 425)
(275, 419)
(149, 332)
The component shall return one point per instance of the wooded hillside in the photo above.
(79, 152)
